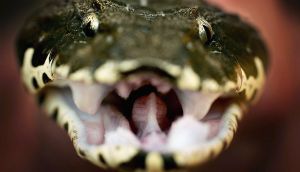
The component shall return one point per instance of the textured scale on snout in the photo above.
(142, 85)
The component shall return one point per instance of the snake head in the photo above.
(143, 85)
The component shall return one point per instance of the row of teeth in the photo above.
(88, 97)
(179, 138)
(185, 133)
(125, 87)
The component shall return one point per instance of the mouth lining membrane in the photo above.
(168, 106)
(148, 116)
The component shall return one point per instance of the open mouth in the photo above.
(144, 110)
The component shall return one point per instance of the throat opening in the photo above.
(147, 110)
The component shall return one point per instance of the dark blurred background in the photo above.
(269, 136)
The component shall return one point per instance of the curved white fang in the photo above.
(88, 97)
(196, 104)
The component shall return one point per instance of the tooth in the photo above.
(187, 133)
(88, 97)
(123, 90)
(162, 86)
(196, 103)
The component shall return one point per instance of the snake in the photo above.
(143, 85)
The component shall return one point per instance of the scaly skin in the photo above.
(99, 41)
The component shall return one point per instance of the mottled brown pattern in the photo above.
(143, 33)
(267, 141)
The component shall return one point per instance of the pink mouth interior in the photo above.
(147, 111)
(148, 114)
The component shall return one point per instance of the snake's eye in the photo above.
(90, 24)
(205, 30)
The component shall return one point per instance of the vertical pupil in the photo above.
(208, 34)
(88, 30)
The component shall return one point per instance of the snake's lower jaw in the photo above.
(143, 121)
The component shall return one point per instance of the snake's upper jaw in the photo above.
(143, 113)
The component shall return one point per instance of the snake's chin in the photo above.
(143, 110)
